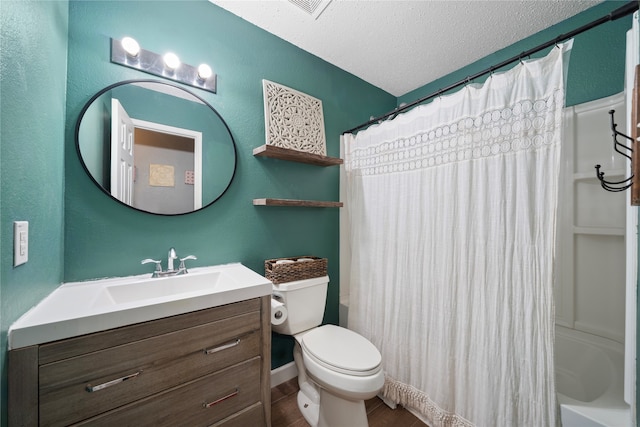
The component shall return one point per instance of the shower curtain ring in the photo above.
(395, 113)
(559, 40)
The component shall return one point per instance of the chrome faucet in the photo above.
(182, 269)
(172, 255)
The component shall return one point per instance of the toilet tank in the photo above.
(305, 301)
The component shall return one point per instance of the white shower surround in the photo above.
(414, 177)
(589, 380)
(590, 287)
(597, 311)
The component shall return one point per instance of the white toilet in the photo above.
(338, 369)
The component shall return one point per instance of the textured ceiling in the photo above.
(400, 45)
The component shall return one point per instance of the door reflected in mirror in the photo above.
(156, 147)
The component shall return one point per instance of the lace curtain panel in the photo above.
(452, 210)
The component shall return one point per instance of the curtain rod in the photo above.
(625, 10)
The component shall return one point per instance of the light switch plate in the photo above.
(20, 242)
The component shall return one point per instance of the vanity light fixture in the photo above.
(127, 52)
(171, 61)
(131, 46)
(204, 72)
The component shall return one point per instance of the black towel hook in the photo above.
(616, 186)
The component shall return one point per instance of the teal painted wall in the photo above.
(33, 66)
(103, 238)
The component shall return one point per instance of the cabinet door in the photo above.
(202, 402)
(81, 387)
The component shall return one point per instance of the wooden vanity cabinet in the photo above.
(204, 368)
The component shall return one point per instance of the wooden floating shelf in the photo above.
(301, 203)
(295, 156)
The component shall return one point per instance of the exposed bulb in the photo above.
(171, 61)
(130, 46)
(204, 71)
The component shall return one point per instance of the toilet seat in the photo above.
(341, 350)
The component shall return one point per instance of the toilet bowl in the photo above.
(338, 369)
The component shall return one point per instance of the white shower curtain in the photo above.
(452, 226)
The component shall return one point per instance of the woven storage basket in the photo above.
(282, 273)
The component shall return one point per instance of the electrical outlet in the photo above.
(20, 242)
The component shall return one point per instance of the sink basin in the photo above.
(85, 307)
(164, 287)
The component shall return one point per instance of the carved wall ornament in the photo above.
(293, 119)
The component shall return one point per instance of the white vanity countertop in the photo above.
(79, 308)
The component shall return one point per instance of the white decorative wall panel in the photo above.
(293, 119)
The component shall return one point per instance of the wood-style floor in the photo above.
(285, 412)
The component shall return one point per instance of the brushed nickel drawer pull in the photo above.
(222, 399)
(222, 347)
(98, 387)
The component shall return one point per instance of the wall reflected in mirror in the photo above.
(156, 147)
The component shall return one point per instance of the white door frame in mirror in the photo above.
(197, 151)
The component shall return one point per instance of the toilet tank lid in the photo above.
(343, 349)
(300, 284)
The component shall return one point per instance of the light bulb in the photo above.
(130, 46)
(204, 71)
(171, 61)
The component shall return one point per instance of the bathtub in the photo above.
(589, 380)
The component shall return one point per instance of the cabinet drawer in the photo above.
(88, 385)
(201, 402)
(77, 346)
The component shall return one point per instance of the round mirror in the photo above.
(156, 147)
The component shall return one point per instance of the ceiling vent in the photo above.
(312, 7)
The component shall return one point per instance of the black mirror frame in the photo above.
(104, 190)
